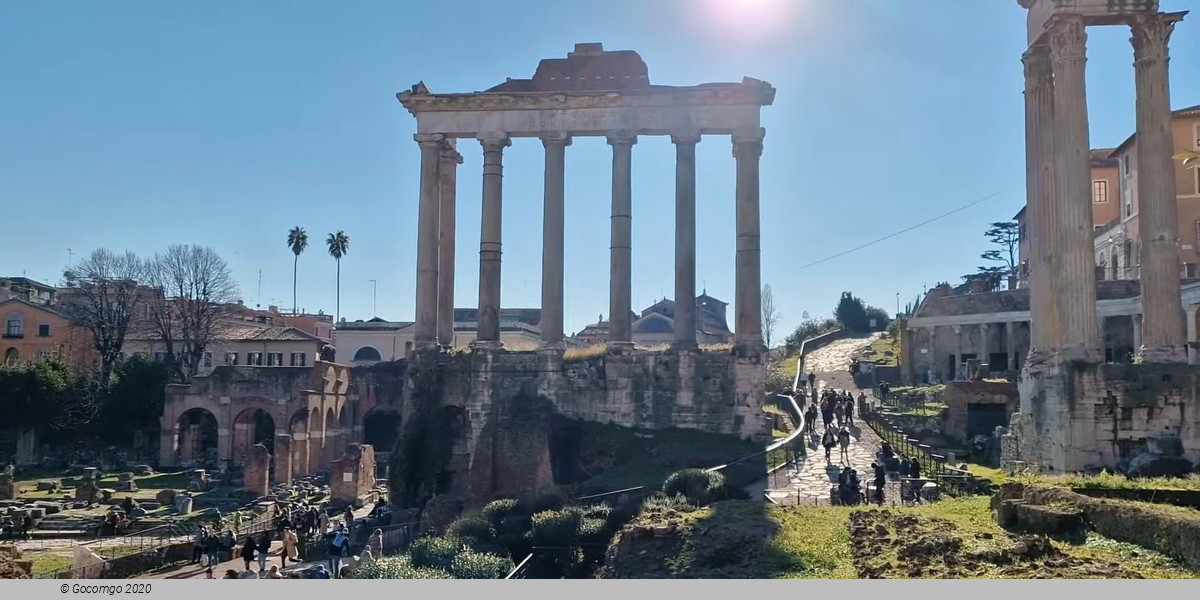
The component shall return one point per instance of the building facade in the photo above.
(361, 343)
(240, 343)
(656, 324)
(36, 331)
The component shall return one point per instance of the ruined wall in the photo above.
(960, 395)
(1078, 415)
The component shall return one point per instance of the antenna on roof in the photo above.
(258, 298)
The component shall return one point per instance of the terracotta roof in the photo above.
(1102, 157)
(1191, 111)
(32, 305)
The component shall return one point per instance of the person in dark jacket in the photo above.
(264, 550)
(247, 552)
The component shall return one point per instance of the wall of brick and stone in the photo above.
(1074, 416)
(960, 395)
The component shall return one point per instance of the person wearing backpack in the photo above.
(829, 441)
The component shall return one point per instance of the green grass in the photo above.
(928, 409)
(1106, 480)
(882, 346)
(49, 564)
(812, 543)
(778, 435)
(920, 389)
(787, 367)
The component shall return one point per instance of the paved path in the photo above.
(808, 482)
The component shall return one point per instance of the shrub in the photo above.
(698, 485)
(472, 529)
(497, 510)
(396, 567)
(475, 565)
(435, 552)
(557, 531)
(548, 500)
(663, 504)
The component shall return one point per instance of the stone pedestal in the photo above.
(354, 475)
(26, 447)
(256, 472)
(126, 483)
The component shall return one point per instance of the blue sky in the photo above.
(138, 124)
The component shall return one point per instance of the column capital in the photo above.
(556, 138)
(1150, 35)
(429, 139)
(494, 142)
(957, 328)
(1068, 37)
(1037, 64)
(984, 326)
(748, 142)
(621, 138)
(686, 137)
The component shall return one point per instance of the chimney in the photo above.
(273, 309)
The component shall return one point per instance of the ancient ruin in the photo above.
(1077, 413)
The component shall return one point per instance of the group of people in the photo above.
(11, 529)
(836, 411)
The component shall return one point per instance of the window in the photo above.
(1125, 164)
(298, 359)
(1022, 232)
(43, 330)
(274, 359)
(1100, 191)
(231, 359)
(1189, 270)
(1197, 136)
(1096, 228)
(254, 359)
(207, 359)
(14, 328)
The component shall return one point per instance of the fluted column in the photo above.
(747, 149)
(488, 334)
(1039, 185)
(620, 285)
(448, 193)
(1076, 298)
(1164, 332)
(553, 240)
(425, 328)
(685, 239)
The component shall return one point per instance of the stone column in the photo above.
(488, 318)
(935, 368)
(300, 455)
(620, 286)
(958, 352)
(983, 344)
(425, 328)
(1076, 276)
(1164, 329)
(553, 241)
(685, 239)
(282, 457)
(448, 196)
(1192, 334)
(1137, 333)
(1039, 185)
(747, 149)
(1010, 345)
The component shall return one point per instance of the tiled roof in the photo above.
(34, 306)
(1191, 111)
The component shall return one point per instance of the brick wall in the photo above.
(960, 395)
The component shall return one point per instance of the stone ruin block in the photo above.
(165, 496)
(142, 470)
(90, 473)
(50, 508)
(107, 496)
(200, 481)
(49, 485)
(126, 483)
(183, 504)
(256, 472)
(354, 475)
(8, 487)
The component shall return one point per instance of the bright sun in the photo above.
(757, 18)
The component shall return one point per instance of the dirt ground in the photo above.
(905, 546)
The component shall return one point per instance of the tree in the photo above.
(195, 289)
(851, 312)
(135, 400)
(809, 327)
(47, 395)
(298, 241)
(991, 277)
(1006, 235)
(770, 313)
(103, 296)
(339, 245)
(1190, 159)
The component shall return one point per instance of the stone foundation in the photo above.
(256, 472)
(1076, 416)
(961, 395)
(354, 475)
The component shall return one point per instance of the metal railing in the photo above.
(521, 569)
(933, 466)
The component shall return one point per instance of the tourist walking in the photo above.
(247, 552)
(848, 410)
(264, 551)
(880, 481)
(914, 468)
(337, 549)
(829, 441)
(323, 522)
(844, 442)
(198, 543)
(812, 383)
(290, 547)
(839, 413)
(810, 419)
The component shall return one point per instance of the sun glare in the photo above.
(753, 18)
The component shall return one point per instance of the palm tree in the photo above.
(339, 245)
(1190, 159)
(297, 241)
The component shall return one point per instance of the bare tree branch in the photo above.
(196, 288)
(770, 314)
(103, 295)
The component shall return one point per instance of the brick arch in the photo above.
(251, 425)
(194, 438)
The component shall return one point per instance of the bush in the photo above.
(698, 485)
(548, 500)
(497, 510)
(475, 565)
(396, 567)
(557, 531)
(472, 529)
(436, 552)
(663, 504)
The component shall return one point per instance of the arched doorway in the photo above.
(252, 426)
(367, 354)
(12, 356)
(381, 429)
(332, 434)
(298, 428)
(196, 438)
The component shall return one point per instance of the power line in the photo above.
(902, 231)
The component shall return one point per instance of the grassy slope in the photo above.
(814, 542)
(648, 457)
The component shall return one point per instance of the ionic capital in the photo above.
(1151, 33)
(748, 143)
(685, 138)
(429, 140)
(494, 142)
(556, 138)
(1068, 37)
(618, 139)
